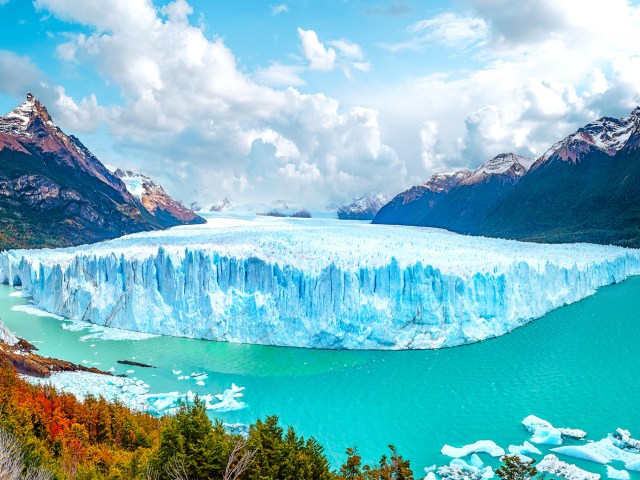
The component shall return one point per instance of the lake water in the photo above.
(578, 366)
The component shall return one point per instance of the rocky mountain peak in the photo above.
(28, 118)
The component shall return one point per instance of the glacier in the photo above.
(314, 283)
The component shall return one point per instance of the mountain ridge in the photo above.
(54, 192)
(584, 188)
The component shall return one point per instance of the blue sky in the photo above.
(316, 102)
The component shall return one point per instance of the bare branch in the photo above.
(236, 468)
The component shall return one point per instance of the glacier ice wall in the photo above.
(316, 284)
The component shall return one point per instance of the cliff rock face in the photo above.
(54, 192)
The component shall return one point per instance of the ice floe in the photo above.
(617, 474)
(100, 332)
(135, 393)
(33, 310)
(551, 464)
(603, 451)
(543, 432)
(481, 446)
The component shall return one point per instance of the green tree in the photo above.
(191, 442)
(394, 468)
(513, 468)
(352, 468)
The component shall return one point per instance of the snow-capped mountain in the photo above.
(608, 135)
(54, 191)
(584, 188)
(222, 205)
(452, 200)
(364, 208)
(506, 165)
(156, 200)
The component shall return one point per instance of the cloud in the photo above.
(340, 53)
(195, 120)
(448, 29)
(18, 74)
(544, 69)
(278, 9)
(319, 57)
(280, 75)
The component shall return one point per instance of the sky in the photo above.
(317, 102)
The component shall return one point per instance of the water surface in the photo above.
(578, 366)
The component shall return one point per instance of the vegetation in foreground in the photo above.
(46, 435)
(54, 436)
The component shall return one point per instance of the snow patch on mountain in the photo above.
(609, 135)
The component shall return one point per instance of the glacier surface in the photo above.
(314, 283)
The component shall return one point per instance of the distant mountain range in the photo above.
(585, 188)
(364, 208)
(54, 192)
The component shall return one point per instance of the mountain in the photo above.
(455, 200)
(364, 208)
(54, 192)
(585, 188)
(153, 197)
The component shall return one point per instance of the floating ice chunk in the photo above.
(430, 476)
(462, 465)
(99, 332)
(476, 461)
(543, 432)
(487, 473)
(617, 474)
(551, 464)
(177, 372)
(448, 472)
(200, 382)
(482, 446)
(83, 384)
(603, 451)
(432, 468)
(634, 466)
(622, 439)
(582, 452)
(32, 310)
(130, 371)
(525, 449)
(228, 400)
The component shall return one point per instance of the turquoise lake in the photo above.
(578, 366)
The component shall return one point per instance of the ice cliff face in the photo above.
(316, 284)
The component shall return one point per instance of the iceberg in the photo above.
(525, 449)
(544, 433)
(617, 474)
(481, 446)
(317, 284)
(458, 469)
(551, 464)
(622, 439)
(603, 451)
